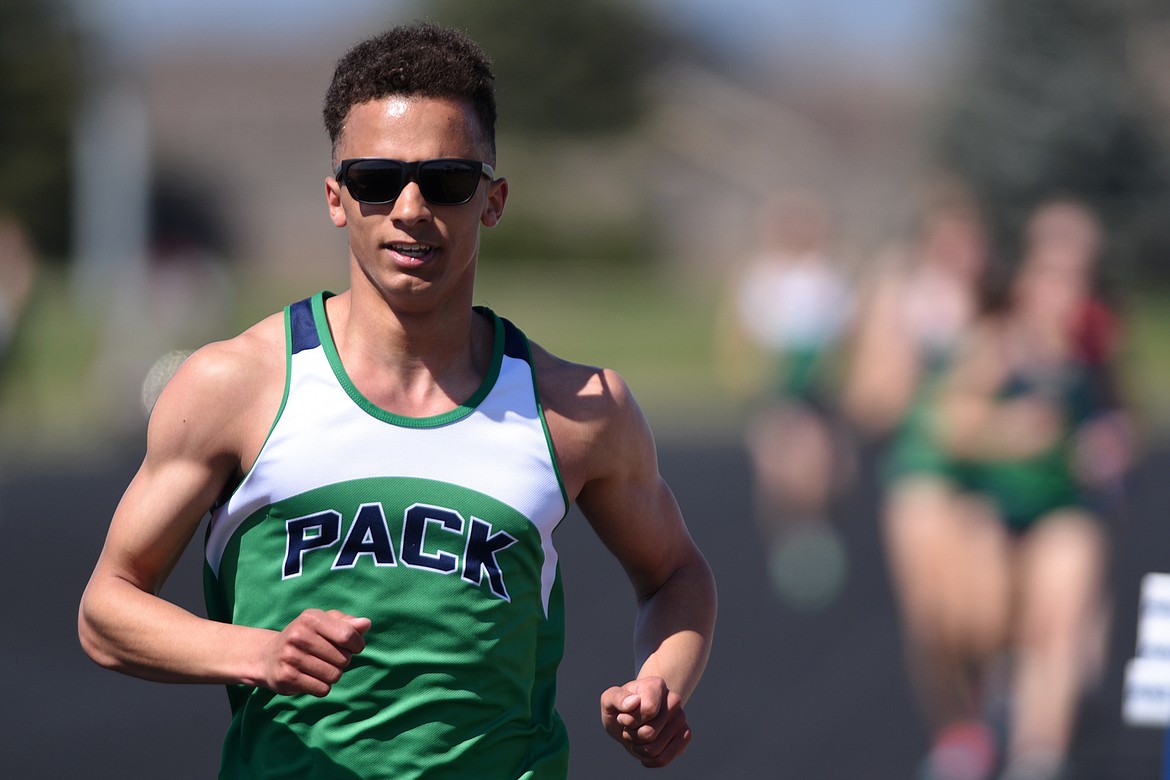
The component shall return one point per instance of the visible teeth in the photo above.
(414, 250)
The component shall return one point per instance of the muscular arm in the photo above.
(635, 514)
(202, 430)
(611, 468)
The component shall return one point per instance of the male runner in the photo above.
(385, 468)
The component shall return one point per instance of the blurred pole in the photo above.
(112, 165)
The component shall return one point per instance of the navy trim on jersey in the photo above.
(302, 326)
(515, 343)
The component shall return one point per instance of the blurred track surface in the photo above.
(787, 695)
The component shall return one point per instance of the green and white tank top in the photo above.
(439, 530)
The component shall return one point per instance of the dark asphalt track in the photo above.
(787, 695)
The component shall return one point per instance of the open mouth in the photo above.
(417, 252)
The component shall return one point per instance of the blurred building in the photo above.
(251, 127)
(717, 140)
(714, 145)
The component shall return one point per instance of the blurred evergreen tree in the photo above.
(38, 78)
(570, 76)
(574, 67)
(1048, 106)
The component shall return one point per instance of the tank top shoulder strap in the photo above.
(302, 326)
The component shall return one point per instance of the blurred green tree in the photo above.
(38, 91)
(573, 68)
(571, 83)
(1047, 105)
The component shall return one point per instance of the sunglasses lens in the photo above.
(375, 181)
(448, 182)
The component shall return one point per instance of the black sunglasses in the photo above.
(445, 182)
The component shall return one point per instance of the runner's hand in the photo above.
(312, 651)
(648, 719)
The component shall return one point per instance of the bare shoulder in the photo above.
(222, 399)
(594, 420)
(577, 390)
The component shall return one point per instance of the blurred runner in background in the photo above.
(789, 309)
(916, 312)
(1000, 562)
(1033, 417)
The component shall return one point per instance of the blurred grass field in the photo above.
(655, 332)
(654, 329)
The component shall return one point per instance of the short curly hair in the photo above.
(414, 60)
